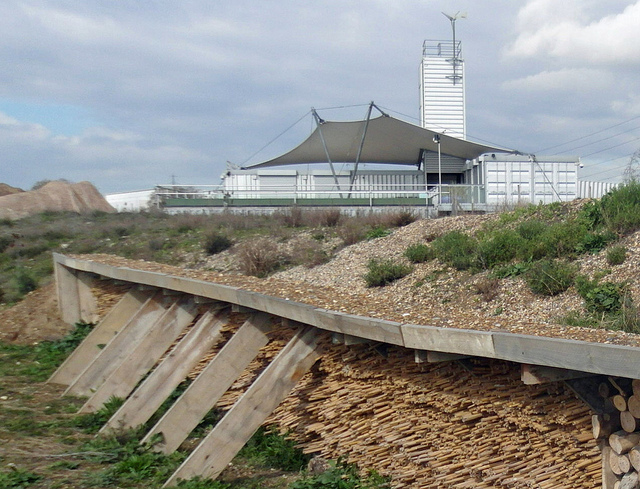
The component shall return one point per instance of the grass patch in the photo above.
(268, 448)
(550, 277)
(383, 272)
(419, 253)
(342, 476)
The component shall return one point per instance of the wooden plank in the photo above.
(119, 348)
(148, 397)
(439, 356)
(219, 447)
(67, 291)
(535, 374)
(598, 358)
(87, 302)
(201, 396)
(99, 336)
(157, 340)
(448, 340)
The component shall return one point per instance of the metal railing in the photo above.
(431, 194)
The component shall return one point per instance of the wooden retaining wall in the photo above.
(435, 407)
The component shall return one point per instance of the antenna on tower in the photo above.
(455, 60)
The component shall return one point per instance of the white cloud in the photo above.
(568, 79)
(573, 31)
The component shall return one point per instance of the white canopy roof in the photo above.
(387, 140)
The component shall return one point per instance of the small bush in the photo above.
(342, 476)
(18, 479)
(531, 229)
(594, 242)
(310, 255)
(352, 232)
(550, 277)
(330, 218)
(215, 243)
(419, 253)
(512, 270)
(601, 297)
(456, 249)
(25, 281)
(500, 247)
(5, 242)
(616, 255)
(620, 208)
(377, 232)
(400, 218)
(380, 273)
(488, 289)
(259, 257)
(293, 217)
(269, 448)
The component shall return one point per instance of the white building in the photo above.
(136, 201)
(442, 92)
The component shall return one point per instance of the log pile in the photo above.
(435, 425)
(619, 428)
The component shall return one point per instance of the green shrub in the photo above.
(560, 240)
(18, 479)
(380, 273)
(512, 270)
(531, 228)
(269, 448)
(215, 243)
(601, 297)
(620, 208)
(25, 281)
(419, 253)
(616, 255)
(5, 242)
(456, 249)
(377, 232)
(550, 277)
(500, 247)
(342, 476)
(92, 422)
(593, 242)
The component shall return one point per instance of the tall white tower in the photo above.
(442, 94)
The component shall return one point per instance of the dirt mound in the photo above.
(58, 196)
(35, 318)
(8, 189)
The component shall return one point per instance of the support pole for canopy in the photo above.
(364, 134)
(320, 121)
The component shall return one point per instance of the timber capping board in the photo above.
(596, 358)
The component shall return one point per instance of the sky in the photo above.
(130, 94)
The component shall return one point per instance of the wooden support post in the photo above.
(68, 296)
(87, 301)
(537, 374)
(211, 384)
(120, 346)
(440, 356)
(337, 338)
(608, 477)
(231, 433)
(97, 339)
(422, 356)
(158, 339)
(354, 340)
(165, 378)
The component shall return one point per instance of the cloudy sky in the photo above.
(131, 94)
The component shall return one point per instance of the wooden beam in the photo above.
(201, 396)
(219, 447)
(67, 291)
(422, 356)
(99, 336)
(354, 340)
(87, 301)
(536, 374)
(120, 346)
(157, 340)
(148, 397)
(241, 309)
